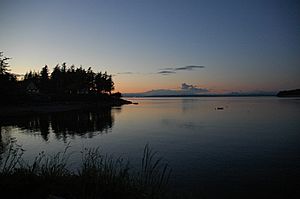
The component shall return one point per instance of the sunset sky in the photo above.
(219, 46)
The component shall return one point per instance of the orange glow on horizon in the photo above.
(213, 88)
(143, 83)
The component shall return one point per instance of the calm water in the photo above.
(253, 143)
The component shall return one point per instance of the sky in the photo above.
(204, 45)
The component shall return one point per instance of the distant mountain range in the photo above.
(183, 93)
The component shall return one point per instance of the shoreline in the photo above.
(53, 107)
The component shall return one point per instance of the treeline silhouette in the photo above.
(62, 83)
(289, 93)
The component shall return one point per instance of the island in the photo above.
(289, 93)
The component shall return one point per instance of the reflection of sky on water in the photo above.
(251, 137)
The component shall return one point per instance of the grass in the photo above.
(99, 176)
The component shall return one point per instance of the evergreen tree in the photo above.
(8, 81)
(44, 79)
(3, 64)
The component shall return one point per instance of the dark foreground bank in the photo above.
(100, 176)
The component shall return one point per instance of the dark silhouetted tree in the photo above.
(109, 84)
(8, 81)
(99, 82)
(44, 79)
(32, 77)
(3, 64)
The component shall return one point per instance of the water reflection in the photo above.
(253, 142)
(187, 104)
(62, 124)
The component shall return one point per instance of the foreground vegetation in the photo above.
(99, 176)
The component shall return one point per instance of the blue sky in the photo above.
(243, 45)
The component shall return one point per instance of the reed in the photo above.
(99, 176)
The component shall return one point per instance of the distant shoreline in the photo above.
(250, 95)
(289, 93)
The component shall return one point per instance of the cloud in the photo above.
(193, 89)
(188, 67)
(185, 86)
(125, 73)
(167, 71)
